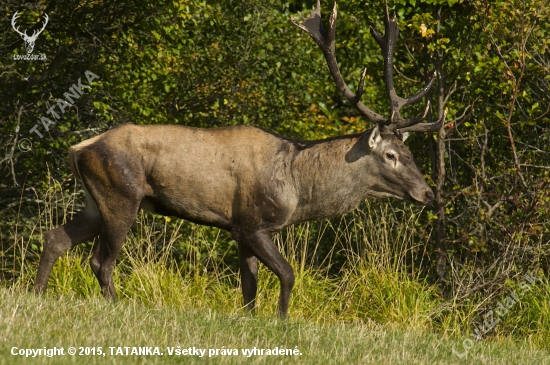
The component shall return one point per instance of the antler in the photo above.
(15, 16)
(396, 123)
(36, 33)
(314, 28)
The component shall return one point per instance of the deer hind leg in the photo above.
(118, 220)
(248, 267)
(261, 245)
(84, 227)
(115, 180)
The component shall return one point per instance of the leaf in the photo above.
(423, 29)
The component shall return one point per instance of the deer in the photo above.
(29, 40)
(246, 180)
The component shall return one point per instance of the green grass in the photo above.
(177, 288)
(62, 321)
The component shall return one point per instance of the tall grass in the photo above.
(369, 265)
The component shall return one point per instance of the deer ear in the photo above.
(374, 137)
(405, 135)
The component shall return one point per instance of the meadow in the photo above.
(69, 320)
(460, 281)
(365, 299)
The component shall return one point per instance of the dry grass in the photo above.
(368, 282)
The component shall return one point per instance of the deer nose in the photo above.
(428, 196)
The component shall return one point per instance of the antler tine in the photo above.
(314, 27)
(387, 45)
(15, 16)
(360, 87)
(413, 99)
(46, 18)
(37, 32)
(404, 123)
(425, 127)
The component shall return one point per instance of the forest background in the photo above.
(217, 63)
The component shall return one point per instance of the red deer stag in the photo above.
(243, 179)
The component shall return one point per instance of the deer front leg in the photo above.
(261, 245)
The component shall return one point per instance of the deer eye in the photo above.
(390, 156)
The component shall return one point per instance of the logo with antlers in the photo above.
(29, 41)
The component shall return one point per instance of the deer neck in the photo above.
(332, 177)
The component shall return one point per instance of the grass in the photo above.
(361, 299)
(63, 321)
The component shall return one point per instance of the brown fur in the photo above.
(246, 180)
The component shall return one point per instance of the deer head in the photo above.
(29, 40)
